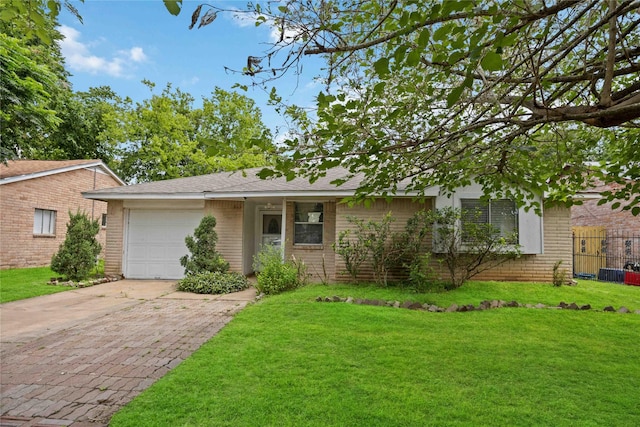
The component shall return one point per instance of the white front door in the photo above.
(270, 229)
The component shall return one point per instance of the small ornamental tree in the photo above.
(202, 246)
(467, 246)
(352, 249)
(78, 253)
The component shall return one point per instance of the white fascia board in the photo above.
(111, 173)
(143, 196)
(294, 194)
(258, 194)
(34, 175)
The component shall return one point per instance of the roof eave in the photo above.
(144, 196)
(101, 164)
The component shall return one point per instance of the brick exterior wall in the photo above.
(401, 210)
(531, 268)
(61, 192)
(539, 268)
(590, 214)
(320, 259)
(114, 238)
(229, 221)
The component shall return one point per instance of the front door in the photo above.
(270, 229)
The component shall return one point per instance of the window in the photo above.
(308, 223)
(501, 214)
(44, 222)
(103, 220)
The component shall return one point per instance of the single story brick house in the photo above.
(148, 223)
(35, 199)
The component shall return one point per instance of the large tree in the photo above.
(515, 94)
(26, 88)
(32, 76)
(88, 127)
(167, 136)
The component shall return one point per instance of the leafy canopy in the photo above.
(514, 94)
(167, 136)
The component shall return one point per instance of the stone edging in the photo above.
(56, 281)
(484, 305)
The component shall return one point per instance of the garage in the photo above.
(155, 242)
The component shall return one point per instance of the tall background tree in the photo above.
(167, 136)
(164, 136)
(509, 93)
(32, 76)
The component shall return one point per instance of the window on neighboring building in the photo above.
(308, 223)
(44, 222)
(103, 221)
(501, 214)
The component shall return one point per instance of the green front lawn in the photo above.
(21, 283)
(290, 361)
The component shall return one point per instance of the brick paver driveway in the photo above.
(82, 373)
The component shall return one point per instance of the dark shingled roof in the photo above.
(232, 184)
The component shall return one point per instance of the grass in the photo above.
(22, 283)
(290, 361)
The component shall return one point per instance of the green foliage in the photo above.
(33, 18)
(373, 241)
(320, 363)
(202, 246)
(167, 137)
(466, 246)
(27, 85)
(351, 249)
(370, 242)
(439, 93)
(422, 277)
(213, 282)
(77, 255)
(88, 128)
(559, 274)
(274, 275)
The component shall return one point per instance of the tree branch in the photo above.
(605, 95)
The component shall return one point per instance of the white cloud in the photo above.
(247, 19)
(79, 57)
(137, 54)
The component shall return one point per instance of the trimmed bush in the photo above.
(77, 255)
(213, 283)
(275, 275)
(202, 246)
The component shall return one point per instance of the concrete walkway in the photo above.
(75, 358)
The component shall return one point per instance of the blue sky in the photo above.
(122, 42)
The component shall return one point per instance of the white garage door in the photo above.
(155, 242)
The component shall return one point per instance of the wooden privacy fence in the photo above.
(597, 250)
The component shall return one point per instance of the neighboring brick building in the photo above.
(604, 238)
(35, 199)
(589, 214)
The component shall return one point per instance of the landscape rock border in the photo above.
(58, 281)
(484, 305)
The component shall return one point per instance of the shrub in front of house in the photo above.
(274, 275)
(202, 248)
(78, 254)
(214, 282)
